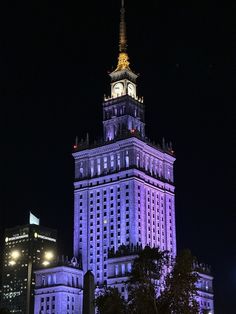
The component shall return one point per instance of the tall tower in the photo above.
(123, 111)
(123, 189)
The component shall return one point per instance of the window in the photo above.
(118, 161)
(105, 162)
(98, 166)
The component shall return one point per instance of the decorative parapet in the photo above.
(85, 144)
(202, 268)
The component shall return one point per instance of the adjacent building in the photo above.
(59, 289)
(26, 248)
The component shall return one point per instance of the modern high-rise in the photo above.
(124, 184)
(26, 248)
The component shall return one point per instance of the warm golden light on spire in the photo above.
(123, 62)
(123, 59)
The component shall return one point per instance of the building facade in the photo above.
(59, 289)
(124, 185)
(120, 266)
(124, 192)
(26, 248)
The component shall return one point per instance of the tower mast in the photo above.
(123, 59)
(123, 37)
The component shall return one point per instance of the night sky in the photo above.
(54, 60)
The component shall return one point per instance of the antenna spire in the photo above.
(123, 59)
(123, 38)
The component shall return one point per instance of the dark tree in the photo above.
(180, 290)
(145, 281)
(110, 301)
(4, 311)
(150, 291)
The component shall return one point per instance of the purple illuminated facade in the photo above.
(59, 289)
(124, 195)
(124, 191)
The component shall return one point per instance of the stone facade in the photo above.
(58, 290)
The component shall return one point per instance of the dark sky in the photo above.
(54, 59)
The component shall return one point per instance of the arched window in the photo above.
(118, 161)
(99, 166)
(127, 159)
(49, 280)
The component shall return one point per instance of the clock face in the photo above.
(118, 88)
(131, 89)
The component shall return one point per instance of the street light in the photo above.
(14, 256)
(48, 256)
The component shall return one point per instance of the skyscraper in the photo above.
(124, 200)
(124, 185)
(26, 248)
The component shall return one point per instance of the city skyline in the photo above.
(176, 71)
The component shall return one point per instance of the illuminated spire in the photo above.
(123, 39)
(123, 59)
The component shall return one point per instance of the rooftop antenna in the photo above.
(123, 37)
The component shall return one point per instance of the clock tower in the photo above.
(123, 112)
